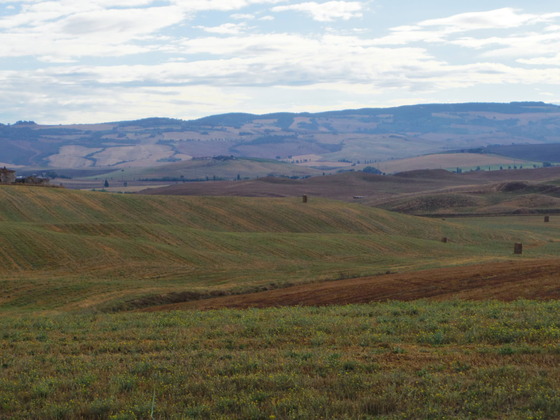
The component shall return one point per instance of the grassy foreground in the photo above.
(394, 360)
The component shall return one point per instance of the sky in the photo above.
(89, 61)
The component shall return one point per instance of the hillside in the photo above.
(71, 250)
(370, 188)
(536, 152)
(217, 168)
(512, 197)
(536, 280)
(461, 162)
(420, 192)
(364, 135)
(343, 186)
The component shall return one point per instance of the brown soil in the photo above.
(373, 190)
(339, 187)
(511, 280)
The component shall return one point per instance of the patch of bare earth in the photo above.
(510, 280)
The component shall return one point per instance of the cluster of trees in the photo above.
(372, 170)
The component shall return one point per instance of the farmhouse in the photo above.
(32, 180)
(7, 176)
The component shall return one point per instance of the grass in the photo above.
(477, 203)
(392, 360)
(71, 257)
(73, 250)
(539, 238)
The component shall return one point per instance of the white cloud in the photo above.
(519, 47)
(127, 23)
(65, 30)
(326, 12)
(542, 61)
(99, 32)
(219, 5)
(493, 19)
(440, 30)
(242, 16)
(225, 29)
(275, 60)
(181, 72)
(532, 43)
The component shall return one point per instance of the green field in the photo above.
(69, 250)
(70, 259)
(454, 360)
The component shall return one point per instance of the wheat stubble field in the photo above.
(271, 308)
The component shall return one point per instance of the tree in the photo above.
(106, 184)
(371, 170)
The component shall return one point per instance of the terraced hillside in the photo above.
(71, 250)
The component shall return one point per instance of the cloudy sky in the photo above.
(72, 61)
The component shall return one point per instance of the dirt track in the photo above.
(527, 279)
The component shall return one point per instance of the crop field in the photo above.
(504, 281)
(451, 161)
(202, 169)
(70, 250)
(509, 198)
(79, 271)
(396, 360)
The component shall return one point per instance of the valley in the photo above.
(210, 288)
(137, 306)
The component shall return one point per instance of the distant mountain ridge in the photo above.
(369, 134)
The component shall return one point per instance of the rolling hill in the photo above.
(364, 135)
(72, 250)
(216, 168)
(536, 152)
(422, 192)
(342, 186)
(458, 162)
(499, 198)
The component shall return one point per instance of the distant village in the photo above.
(8, 176)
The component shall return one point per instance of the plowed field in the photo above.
(511, 280)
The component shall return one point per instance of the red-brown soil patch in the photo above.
(511, 280)
(339, 187)
(373, 190)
